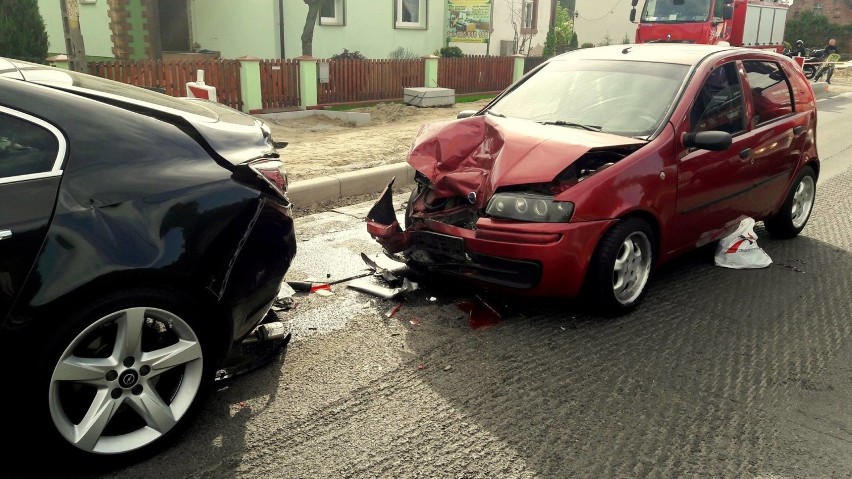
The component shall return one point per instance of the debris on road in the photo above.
(391, 312)
(368, 285)
(739, 250)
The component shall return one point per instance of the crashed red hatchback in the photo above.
(604, 163)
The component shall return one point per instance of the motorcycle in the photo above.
(811, 62)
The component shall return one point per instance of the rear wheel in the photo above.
(621, 267)
(796, 210)
(810, 71)
(128, 376)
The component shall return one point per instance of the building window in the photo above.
(529, 12)
(818, 9)
(410, 13)
(332, 12)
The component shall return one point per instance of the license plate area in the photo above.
(438, 244)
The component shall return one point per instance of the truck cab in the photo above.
(748, 23)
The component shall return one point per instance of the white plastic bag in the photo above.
(739, 250)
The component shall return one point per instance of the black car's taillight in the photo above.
(272, 172)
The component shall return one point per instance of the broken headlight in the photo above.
(529, 207)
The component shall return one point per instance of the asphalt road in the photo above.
(720, 373)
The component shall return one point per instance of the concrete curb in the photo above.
(334, 187)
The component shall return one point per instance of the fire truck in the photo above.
(748, 23)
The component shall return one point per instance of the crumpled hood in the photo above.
(482, 153)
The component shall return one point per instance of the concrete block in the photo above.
(315, 190)
(426, 97)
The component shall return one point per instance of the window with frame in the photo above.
(719, 104)
(332, 12)
(410, 14)
(529, 13)
(770, 91)
(25, 148)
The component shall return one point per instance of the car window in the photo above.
(25, 148)
(719, 104)
(629, 98)
(770, 90)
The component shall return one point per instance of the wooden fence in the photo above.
(532, 62)
(475, 74)
(279, 83)
(171, 77)
(352, 81)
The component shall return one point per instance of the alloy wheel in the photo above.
(632, 267)
(126, 380)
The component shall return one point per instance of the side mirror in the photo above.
(465, 114)
(728, 13)
(632, 15)
(280, 144)
(708, 140)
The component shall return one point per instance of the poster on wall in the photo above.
(469, 21)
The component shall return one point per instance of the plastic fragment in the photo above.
(391, 312)
(415, 322)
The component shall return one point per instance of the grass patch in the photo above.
(472, 98)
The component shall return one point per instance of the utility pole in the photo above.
(73, 36)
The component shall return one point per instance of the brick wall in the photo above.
(120, 27)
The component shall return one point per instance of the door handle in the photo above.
(798, 129)
(5, 234)
(745, 153)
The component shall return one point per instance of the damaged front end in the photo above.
(486, 195)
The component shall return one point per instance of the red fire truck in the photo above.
(749, 23)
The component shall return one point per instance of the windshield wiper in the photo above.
(572, 124)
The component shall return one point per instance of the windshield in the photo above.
(628, 98)
(669, 11)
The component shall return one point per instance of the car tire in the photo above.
(621, 267)
(797, 208)
(126, 377)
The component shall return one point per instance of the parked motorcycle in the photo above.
(811, 62)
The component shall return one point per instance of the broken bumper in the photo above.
(540, 259)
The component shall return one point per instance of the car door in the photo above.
(31, 155)
(779, 133)
(713, 186)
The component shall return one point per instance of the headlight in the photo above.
(529, 207)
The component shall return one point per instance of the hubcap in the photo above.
(632, 268)
(126, 380)
(803, 201)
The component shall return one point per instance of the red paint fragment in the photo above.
(393, 311)
(320, 287)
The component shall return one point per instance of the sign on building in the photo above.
(469, 21)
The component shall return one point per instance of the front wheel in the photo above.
(621, 267)
(796, 210)
(810, 71)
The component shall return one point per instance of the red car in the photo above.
(606, 162)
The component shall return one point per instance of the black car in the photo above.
(143, 238)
